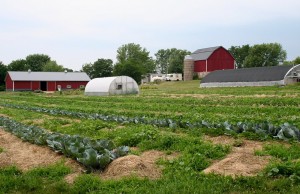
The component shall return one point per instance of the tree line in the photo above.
(135, 61)
(260, 55)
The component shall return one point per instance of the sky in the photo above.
(76, 32)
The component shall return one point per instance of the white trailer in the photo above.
(174, 77)
(154, 77)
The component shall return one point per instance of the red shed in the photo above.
(46, 81)
(210, 59)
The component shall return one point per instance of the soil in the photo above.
(140, 166)
(241, 161)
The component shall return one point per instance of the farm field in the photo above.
(168, 139)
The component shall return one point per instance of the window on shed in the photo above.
(69, 86)
(82, 86)
(119, 86)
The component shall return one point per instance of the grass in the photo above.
(178, 100)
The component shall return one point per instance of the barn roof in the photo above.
(48, 76)
(255, 74)
(203, 54)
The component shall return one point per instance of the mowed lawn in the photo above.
(153, 122)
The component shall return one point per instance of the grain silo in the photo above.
(188, 68)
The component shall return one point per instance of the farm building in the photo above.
(206, 60)
(256, 76)
(45, 81)
(111, 86)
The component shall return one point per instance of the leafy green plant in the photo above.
(91, 153)
(264, 130)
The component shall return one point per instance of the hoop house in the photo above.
(120, 85)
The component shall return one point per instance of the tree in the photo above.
(18, 65)
(52, 66)
(3, 71)
(162, 60)
(170, 60)
(100, 68)
(131, 69)
(88, 69)
(36, 62)
(68, 70)
(297, 60)
(131, 56)
(239, 53)
(176, 60)
(261, 55)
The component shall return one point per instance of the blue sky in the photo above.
(75, 32)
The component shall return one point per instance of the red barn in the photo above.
(210, 59)
(45, 81)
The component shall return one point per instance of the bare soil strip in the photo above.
(27, 156)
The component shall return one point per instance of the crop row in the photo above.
(184, 101)
(284, 131)
(94, 154)
(219, 113)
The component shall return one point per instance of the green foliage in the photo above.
(282, 152)
(36, 62)
(100, 68)
(52, 66)
(288, 168)
(3, 71)
(261, 55)
(131, 69)
(39, 180)
(297, 60)
(18, 65)
(176, 60)
(86, 184)
(239, 53)
(170, 60)
(262, 130)
(133, 61)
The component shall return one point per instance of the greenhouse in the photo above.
(120, 85)
(255, 76)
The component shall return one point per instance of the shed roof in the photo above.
(203, 54)
(255, 74)
(48, 76)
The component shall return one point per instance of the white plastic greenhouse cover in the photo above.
(111, 86)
